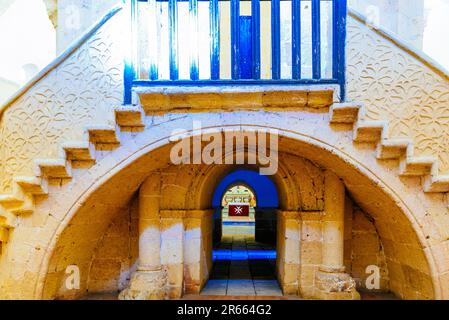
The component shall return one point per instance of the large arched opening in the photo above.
(81, 237)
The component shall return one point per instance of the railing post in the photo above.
(275, 40)
(316, 39)
(173, 38)
(296, 39)
(255, 12)
(153, 36)
(339, 44)
(235, 39)
(214, 40)
(194, 44)
(131, 56)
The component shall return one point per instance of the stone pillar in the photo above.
(172, 251)
(288, 251)
(197, 249)
(331, 281)
(149, 281)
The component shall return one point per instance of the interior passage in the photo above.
(243, 267)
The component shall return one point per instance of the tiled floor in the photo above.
(236, 277)
(236, 228)
(234, 274)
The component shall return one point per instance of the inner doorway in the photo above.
(238, 212)
(244, 250)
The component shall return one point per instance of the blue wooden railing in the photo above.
(242, 53)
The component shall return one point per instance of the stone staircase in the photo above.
(376, 132)
(131, 119)
(71, 153)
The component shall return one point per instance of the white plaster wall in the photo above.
(80, 91)
(76, 16)
(400, 89)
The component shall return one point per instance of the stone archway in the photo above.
(394, 221)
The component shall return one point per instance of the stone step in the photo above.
(32, 185)
(369, 131)
(7, 219)
(10, 201)
(345, 113)
(18, 203)
(24, 209)
(416, 166)
(392, 149)
(437, 184)
(79, 150)
(129, 116)
(102, 134)
(53, 168)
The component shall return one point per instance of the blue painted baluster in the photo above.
(152, 38)
(235, 38)
(246, 50)
(135, 38)
(130, 60)
(255, 13)
(214, 40)
(173, 38)
(296, 39)
(194, 36)
(316, 39)
(275, 40)
(339, 8)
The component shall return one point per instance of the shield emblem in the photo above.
(239, 210)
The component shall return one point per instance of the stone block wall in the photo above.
(186, 252)
(116, 255)
(299, 250)
(365, 249)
